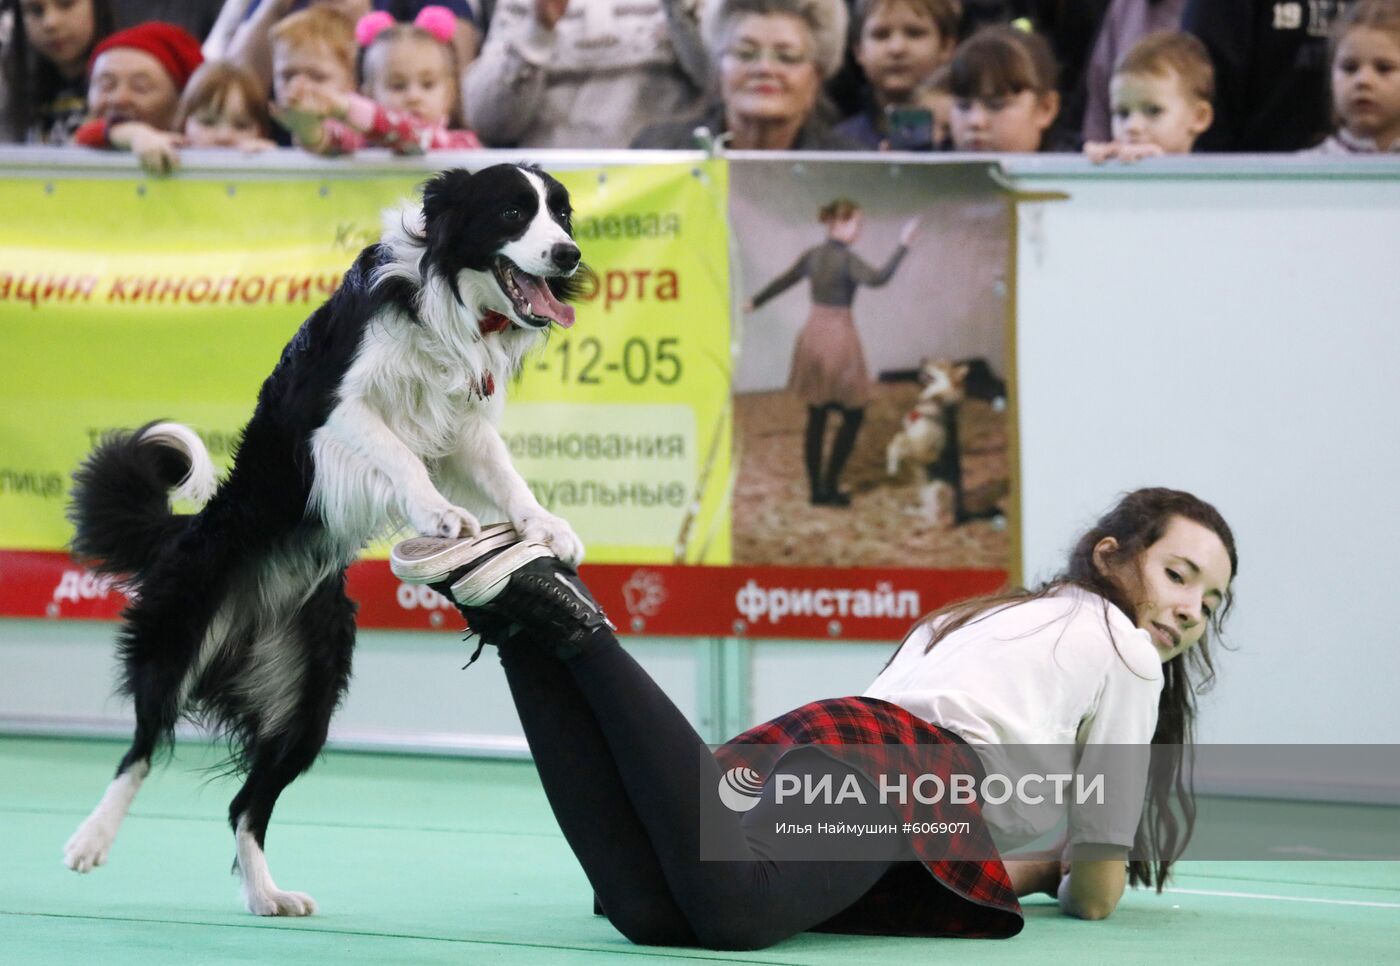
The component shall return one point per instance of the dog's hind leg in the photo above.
(89, 845)
(170, 631)
(324, 633)
(273, 770)
(158, 647)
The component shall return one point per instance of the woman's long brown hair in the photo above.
(32, 79)
(1137, 522)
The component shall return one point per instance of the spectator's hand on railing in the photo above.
(1101, 151)
(158, 151)
(550, 12)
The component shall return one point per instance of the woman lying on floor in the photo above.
(1097, 657)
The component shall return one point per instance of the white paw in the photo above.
(88, 847)
(275, 902)
(444, 520)
(539, 524)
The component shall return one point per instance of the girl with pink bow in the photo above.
(411, 103)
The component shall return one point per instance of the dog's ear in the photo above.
(439, 193)
(445, 208)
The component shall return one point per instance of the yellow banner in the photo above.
(125, 300)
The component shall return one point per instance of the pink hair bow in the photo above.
(436, 20)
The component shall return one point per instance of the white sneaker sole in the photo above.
(427, 560)
(483, 584)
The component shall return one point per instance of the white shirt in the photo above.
(1044, 672)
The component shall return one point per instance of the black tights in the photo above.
(824, 476)
(623, 770)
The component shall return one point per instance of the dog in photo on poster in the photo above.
(928, 433)
(380, 414)
(927, 437)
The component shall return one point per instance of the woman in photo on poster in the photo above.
(829, 371)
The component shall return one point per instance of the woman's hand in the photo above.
(1034, 876)
(550, 12)
(909, 231)
(747, 306)
(1093, 881)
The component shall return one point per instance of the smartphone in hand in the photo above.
(911, 128)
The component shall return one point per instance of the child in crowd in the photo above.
(413, 103)
(135, 79)
(243, 35)
(313, 56)
(1160, 98)
(1125, 22)
(1366, 80)
(1004, 94)
(45, 67)
(224, 107)
(899, 45)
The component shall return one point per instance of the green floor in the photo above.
(428, 860)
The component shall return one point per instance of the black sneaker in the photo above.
(497, 580)
(547, 597)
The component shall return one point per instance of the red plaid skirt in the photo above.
(939, 895)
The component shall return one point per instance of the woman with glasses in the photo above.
(772, 57)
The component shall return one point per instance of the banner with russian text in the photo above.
(664, 425)
(125, 299)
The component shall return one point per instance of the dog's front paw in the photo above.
(88, 847)
(444, 520)
(536, 523)
(275, 902)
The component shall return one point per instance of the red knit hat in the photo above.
(177, 51)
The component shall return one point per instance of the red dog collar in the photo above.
(493, 322)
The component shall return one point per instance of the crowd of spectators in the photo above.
(1118, 79)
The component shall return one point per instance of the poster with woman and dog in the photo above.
(872, 398)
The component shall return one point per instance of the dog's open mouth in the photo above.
(530, 296)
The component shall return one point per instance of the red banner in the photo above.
(784, 602)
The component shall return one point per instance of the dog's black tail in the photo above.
(121, 495)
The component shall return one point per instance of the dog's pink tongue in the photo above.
(542, 300)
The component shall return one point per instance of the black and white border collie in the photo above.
(380, 413)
